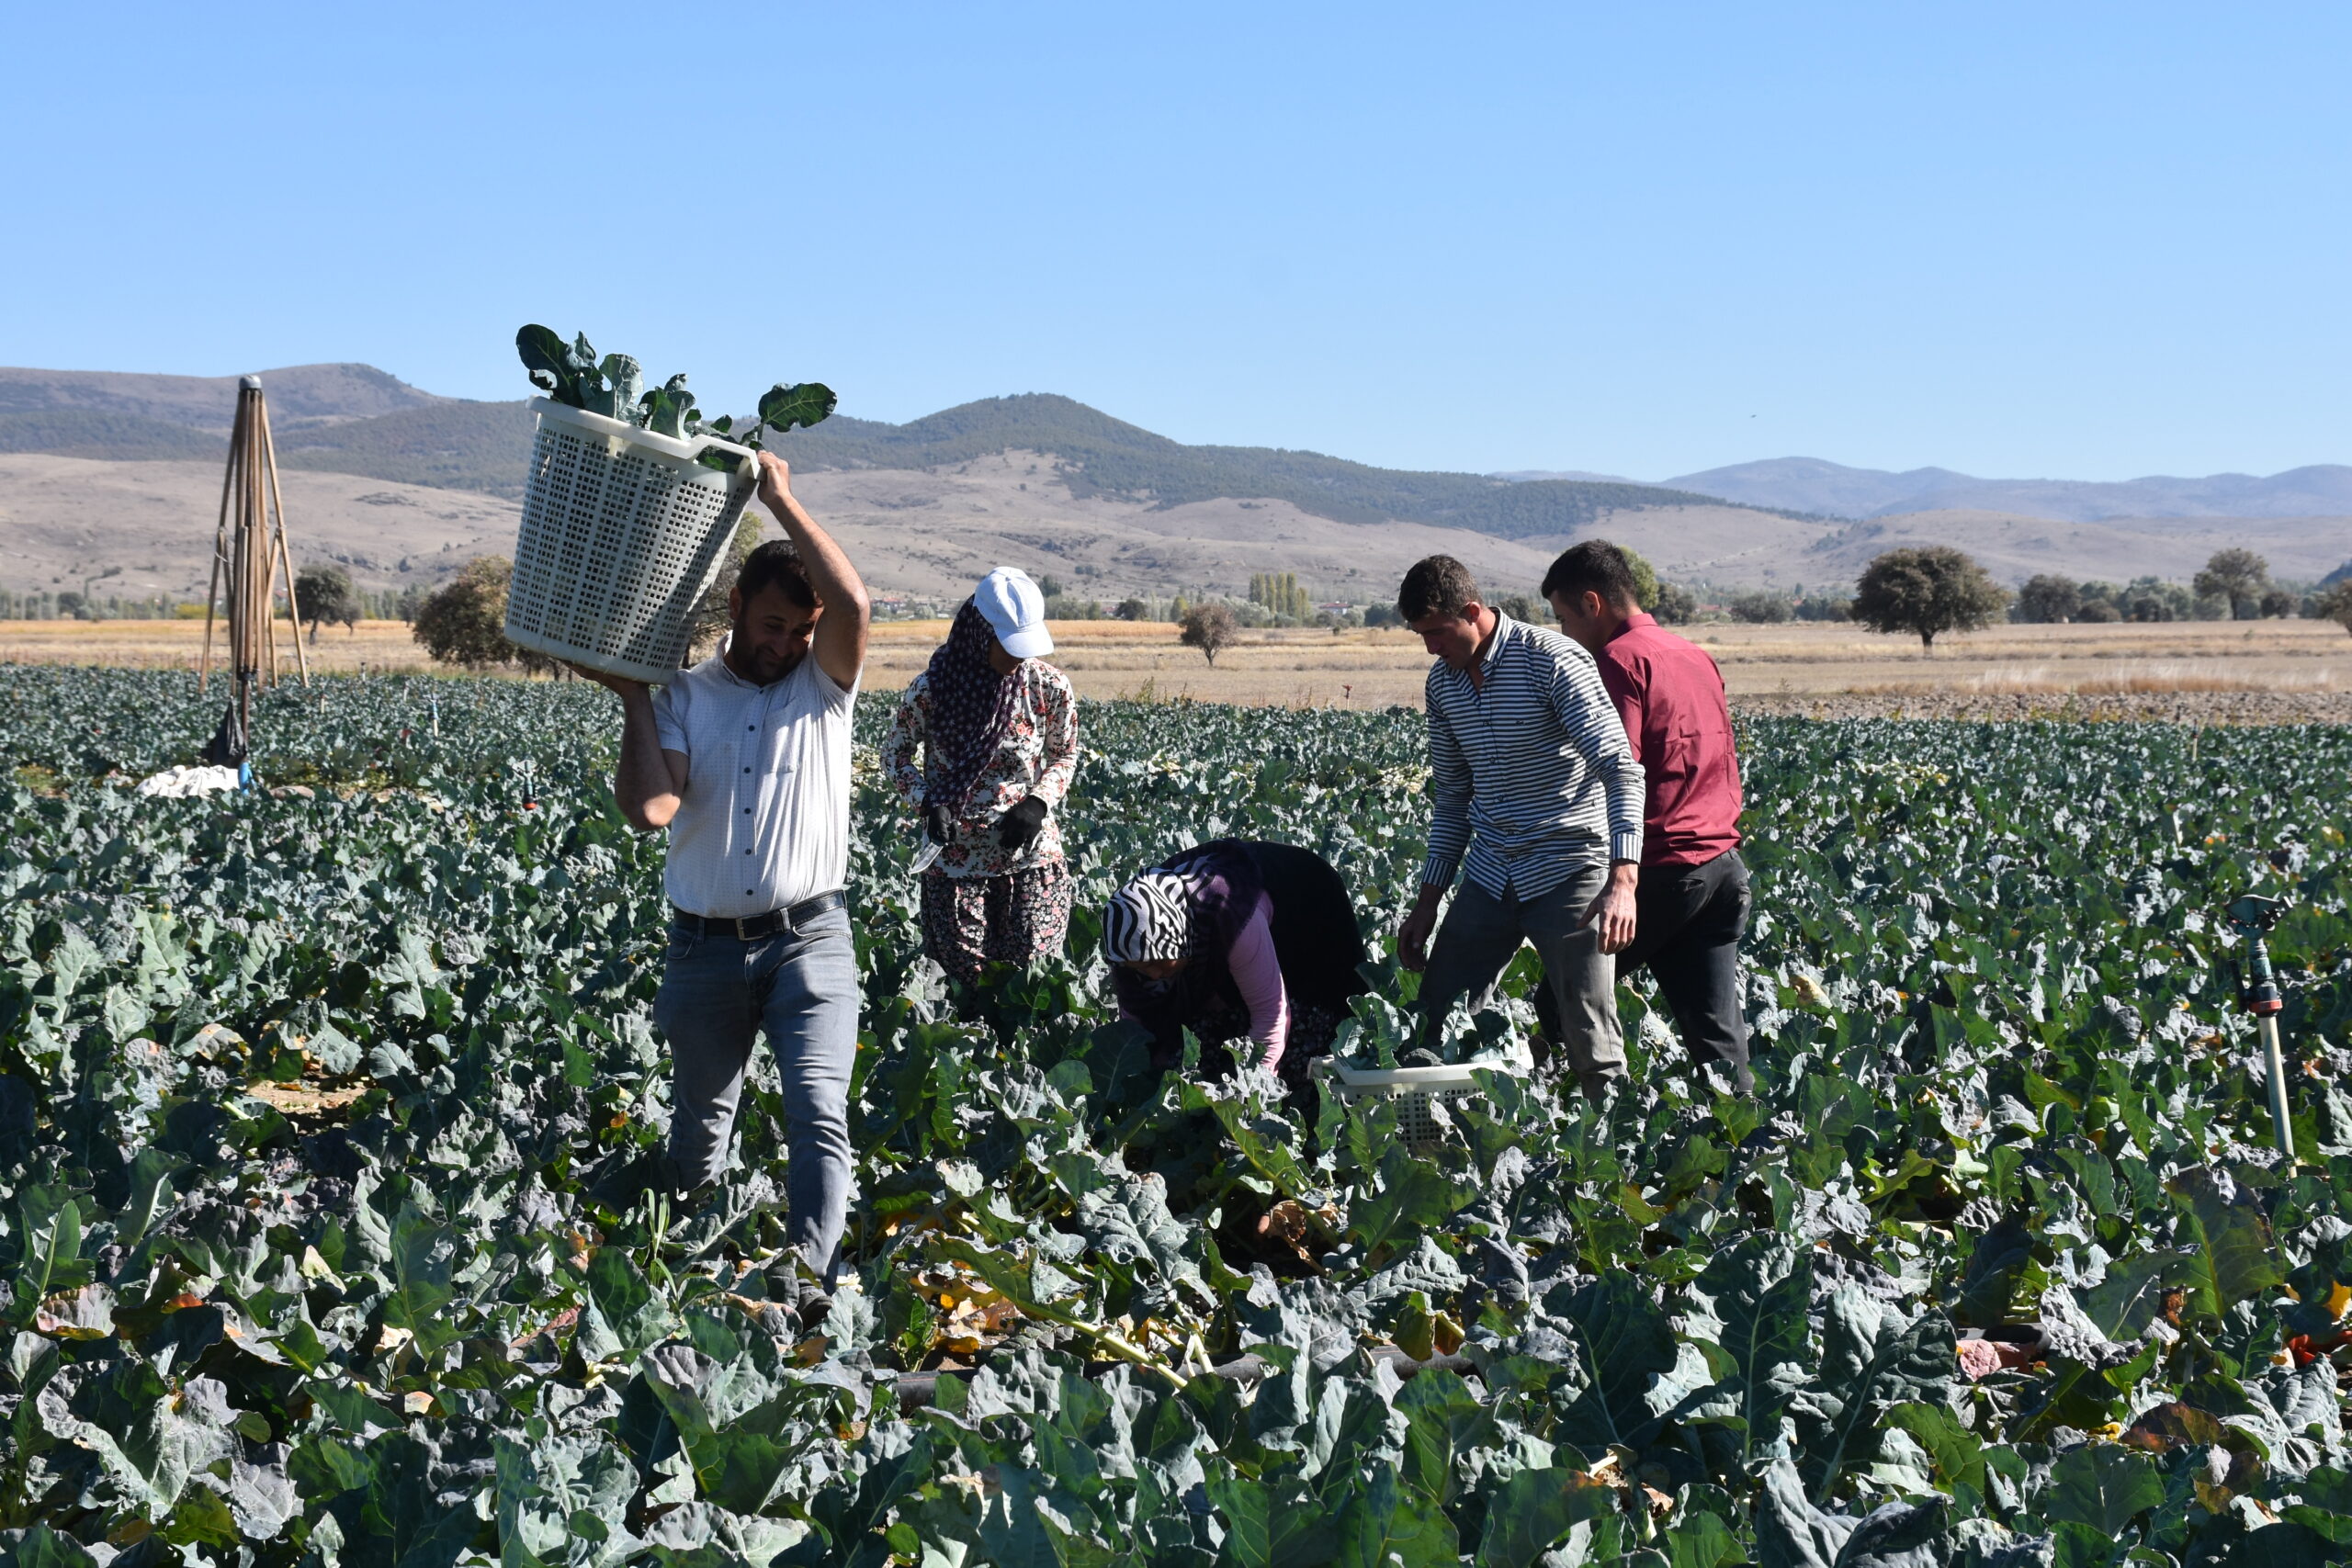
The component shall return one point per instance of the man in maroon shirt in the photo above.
(1692, 901)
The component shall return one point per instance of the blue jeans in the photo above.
(799, 985)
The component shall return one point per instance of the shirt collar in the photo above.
(1634, 623)
(1503, 624)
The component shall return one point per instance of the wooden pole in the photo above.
(221, 543)
(284, 557)
(241, 605)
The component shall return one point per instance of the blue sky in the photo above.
(2076, 241)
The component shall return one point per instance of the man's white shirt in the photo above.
(764, 822)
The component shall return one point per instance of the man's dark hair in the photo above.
(1439, 585)
(1596, 567)
(777, 564)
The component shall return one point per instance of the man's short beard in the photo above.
(782, 666)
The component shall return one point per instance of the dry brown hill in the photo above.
(929, 533)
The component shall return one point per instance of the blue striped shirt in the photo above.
(1530, 776)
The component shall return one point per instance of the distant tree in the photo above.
(2102, 611)
(2334, 603)
(1133, 610)
(1210, 628)
(1382, 615)
(464, 620)
(2154, 599)
(1049, 585)
(1673, 605)
(1522, 608)
(2278, 603)
(2238, 577)
(323, 593)
(1825, 607)
(1927, 590)
(712, 617)
(1646, 583)
(1281, 596)
(70, 604)
(2048, 600)
(1760, 606)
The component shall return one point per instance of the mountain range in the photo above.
(1815, 486)
(101, 468)
(357, 420)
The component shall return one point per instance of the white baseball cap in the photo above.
(1015, 611)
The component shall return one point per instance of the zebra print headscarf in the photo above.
(1149, 920)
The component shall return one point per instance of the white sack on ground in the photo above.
(179, 783)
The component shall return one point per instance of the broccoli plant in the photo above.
(615, 386)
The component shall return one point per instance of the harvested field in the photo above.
(2202, 671)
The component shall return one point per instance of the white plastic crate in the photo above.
(623, 533)
(1413, 1088)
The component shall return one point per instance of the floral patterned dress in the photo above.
(981, 900)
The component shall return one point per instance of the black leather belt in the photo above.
(750, 928)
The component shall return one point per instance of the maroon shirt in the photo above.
(1670, 696)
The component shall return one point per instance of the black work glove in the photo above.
(937, 823)
(1021, 824)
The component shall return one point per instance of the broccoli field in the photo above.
(319, 1111)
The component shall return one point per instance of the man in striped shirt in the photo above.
(1534, 786)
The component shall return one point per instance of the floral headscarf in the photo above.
(972, 706)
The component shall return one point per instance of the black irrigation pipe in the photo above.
(918, 1390)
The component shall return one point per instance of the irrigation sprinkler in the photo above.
(2255, 918)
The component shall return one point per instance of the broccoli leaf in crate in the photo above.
(667, 411)
(801, 404)
(561, 370)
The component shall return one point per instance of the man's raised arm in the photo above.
(647, 781)
(838, 644)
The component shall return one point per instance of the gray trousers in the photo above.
(1480, 933)
(800, 988)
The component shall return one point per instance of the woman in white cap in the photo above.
(998, 729)
(1232, 938)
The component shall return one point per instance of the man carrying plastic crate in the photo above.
(1534, 790)
(1692, 899)
(745, 759)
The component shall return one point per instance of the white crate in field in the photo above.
(1413, 1089)
(623, 533)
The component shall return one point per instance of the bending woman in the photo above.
(1236, 938)
(998, 729)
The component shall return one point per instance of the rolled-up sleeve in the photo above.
(1257, 974)
(1058, 727)
(1594, 728)
(670, 704)
(1449, 789)
(904, 738)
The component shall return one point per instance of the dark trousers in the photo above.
(1690, 920)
